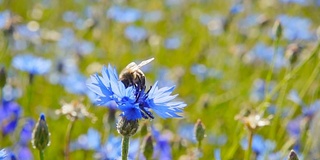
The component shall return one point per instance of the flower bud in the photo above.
(127, 127)
(147, 147)
(199, 131)
(293, 155)
(40, 134)
(277, 29)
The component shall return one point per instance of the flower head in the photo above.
(40, 134)
(31, 64)
(9, 114)
(134, 102)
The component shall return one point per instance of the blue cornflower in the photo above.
(3, 154)
(89, 141)
(26, 132)
(260, 146)
(259, 90)
(296, 28)
(162, 149)
(300, 2)
(31, 64)
(236, 8)
(172, 42)
(135, 34)
(4, 19)
(264, 53)
(111, 150)
(134, 102)
(9, 116)
(124, 14)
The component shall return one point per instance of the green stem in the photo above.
(68, 136)
(249, 150)
(41, 154)
(269, 76)
(291, 74)
(125, 147)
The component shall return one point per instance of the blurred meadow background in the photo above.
(245, 68)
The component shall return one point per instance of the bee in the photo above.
(133, 76)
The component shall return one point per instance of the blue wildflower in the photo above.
(3, 154)
(217, 154)
(26, 132)
(124, 14)
(260, 146)
(9, 115)
(135, 34)
(264, 53)
(133, 101)
(259, 90)
(4, 19)
(89, 141)
(300, 2)
(74, 83)
(162, 149)
(295, 28)
(202, 72)
(236, 8)
(111, 149)
(31, 64)
(172, 42)
(185, 132)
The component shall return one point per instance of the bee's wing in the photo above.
(143, 63)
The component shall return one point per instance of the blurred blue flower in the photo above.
(296, 28)
(294, 97)
(215, 24)
(10, 113)
(67, 38)
(201, 72)
(135, 34)
(307, 110)
(217, 140)
(172, 42)
(26, 132)
(236, 8)
(300, 2)
(293, 127)
(260, 146)
(28, 33)
(3, 154)
(250, 21)
(186, 132)
(4, 18)
(89, 141)
(166, 77)
(124, 14)
(31, 64)
(70, 16)
(111, 149)
(23, 152)
(217, 154)
(10, 93)
(173, 3)
(259, 90)
(312, 109)
(261, 52)
(162, 149)
(134, 102)
(74, 83)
